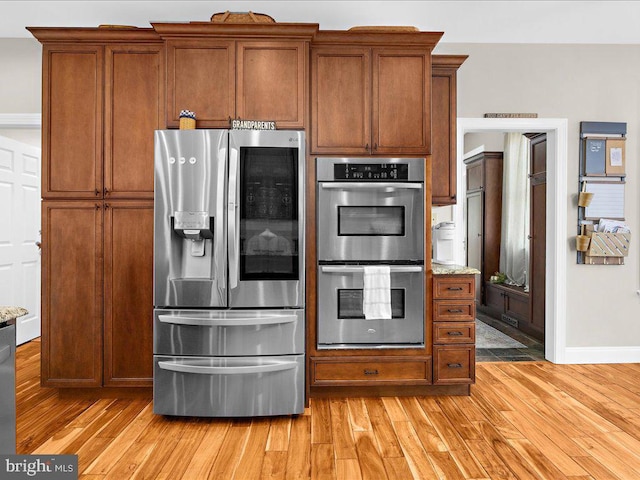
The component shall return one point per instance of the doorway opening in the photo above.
(555, 214)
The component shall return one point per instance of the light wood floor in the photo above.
(522, 421)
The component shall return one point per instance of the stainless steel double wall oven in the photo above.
(229, 318)
(370, 212)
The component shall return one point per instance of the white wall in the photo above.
(20, 75)
(580, 83)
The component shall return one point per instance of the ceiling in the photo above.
(610, 22)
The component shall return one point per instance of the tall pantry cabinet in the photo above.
(102, 100)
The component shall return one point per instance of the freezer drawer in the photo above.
(235, 332)
(228, 386)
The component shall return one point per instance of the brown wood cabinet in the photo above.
(444, 127)
(238, 71)
(128, 293)
(454, 329)
(134, 89)
(103, 98)
(484, 216)
(72, 118)
(537, 237)
(72, 276)
(371, 94)
(508, 303)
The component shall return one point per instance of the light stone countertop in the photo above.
(441, 269)
(11, 313)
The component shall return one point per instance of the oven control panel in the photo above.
(371, 172)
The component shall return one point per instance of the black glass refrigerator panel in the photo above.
(269, 213)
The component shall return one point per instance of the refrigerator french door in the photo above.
(229, 273)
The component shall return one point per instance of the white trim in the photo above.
(556, 281)
(474, 152)
(20, 120)
(602, 355)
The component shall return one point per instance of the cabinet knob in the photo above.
(106, 191)
(97, 192)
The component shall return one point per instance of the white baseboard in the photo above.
(601, 355)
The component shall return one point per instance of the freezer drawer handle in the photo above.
(206, 370)
(358, 185)
(357, 269)
(228, 322)
(4, 353)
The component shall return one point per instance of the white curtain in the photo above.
(514, 244)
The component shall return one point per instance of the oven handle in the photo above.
(227, 322)
(243, 370)
(358, 269)
(372, 185)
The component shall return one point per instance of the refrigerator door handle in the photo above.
(227, 322)
(233, 215)
(237, 370)
(359, 269)
(5, 353)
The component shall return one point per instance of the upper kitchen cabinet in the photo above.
(102, 100)
(134, 109)
(245, 71)
(371, 92)
(443, 127)
(72, 113)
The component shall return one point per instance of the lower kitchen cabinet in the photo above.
(72, 293)
(454, 329)
(370, 370)
(97, 310)
(128, 293)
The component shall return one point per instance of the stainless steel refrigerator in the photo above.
(229, 318)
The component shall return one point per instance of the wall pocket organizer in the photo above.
(601, 193)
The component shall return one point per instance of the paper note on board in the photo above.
(616, 157)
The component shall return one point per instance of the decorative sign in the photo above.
(510, 115)
(253, 125)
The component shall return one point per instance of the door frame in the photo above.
(556, 215)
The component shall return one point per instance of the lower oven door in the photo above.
(228, 332)
(341, 321)
(228, 386)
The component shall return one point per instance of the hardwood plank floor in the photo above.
(521, 421)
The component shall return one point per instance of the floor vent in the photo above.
(509, 320)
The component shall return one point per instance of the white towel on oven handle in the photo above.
(376, 296)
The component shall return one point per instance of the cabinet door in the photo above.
(72, 294)
(272, 82)
(72, 121)
(341, 100)
(401, 121)
(475, 242)
(443, 136)
(201, 77)
(134, 108)
(128, 289)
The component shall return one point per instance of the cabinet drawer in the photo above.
(454, 286)
(370, 370)
(453, 364)
(454, 332)
(454, 310)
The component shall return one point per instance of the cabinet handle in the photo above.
(98, 206)
(455, 289)
(107, 206)
(454, 334)
(454, 310)
(370, 372)
(106, 191)
(375, 146)
(454, 365)
(97, 192)
(366, 147)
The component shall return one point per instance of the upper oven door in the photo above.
(380, 221)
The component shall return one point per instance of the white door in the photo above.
(20, 233)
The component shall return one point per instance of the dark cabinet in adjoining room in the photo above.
(484, 216)
(537, 235)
